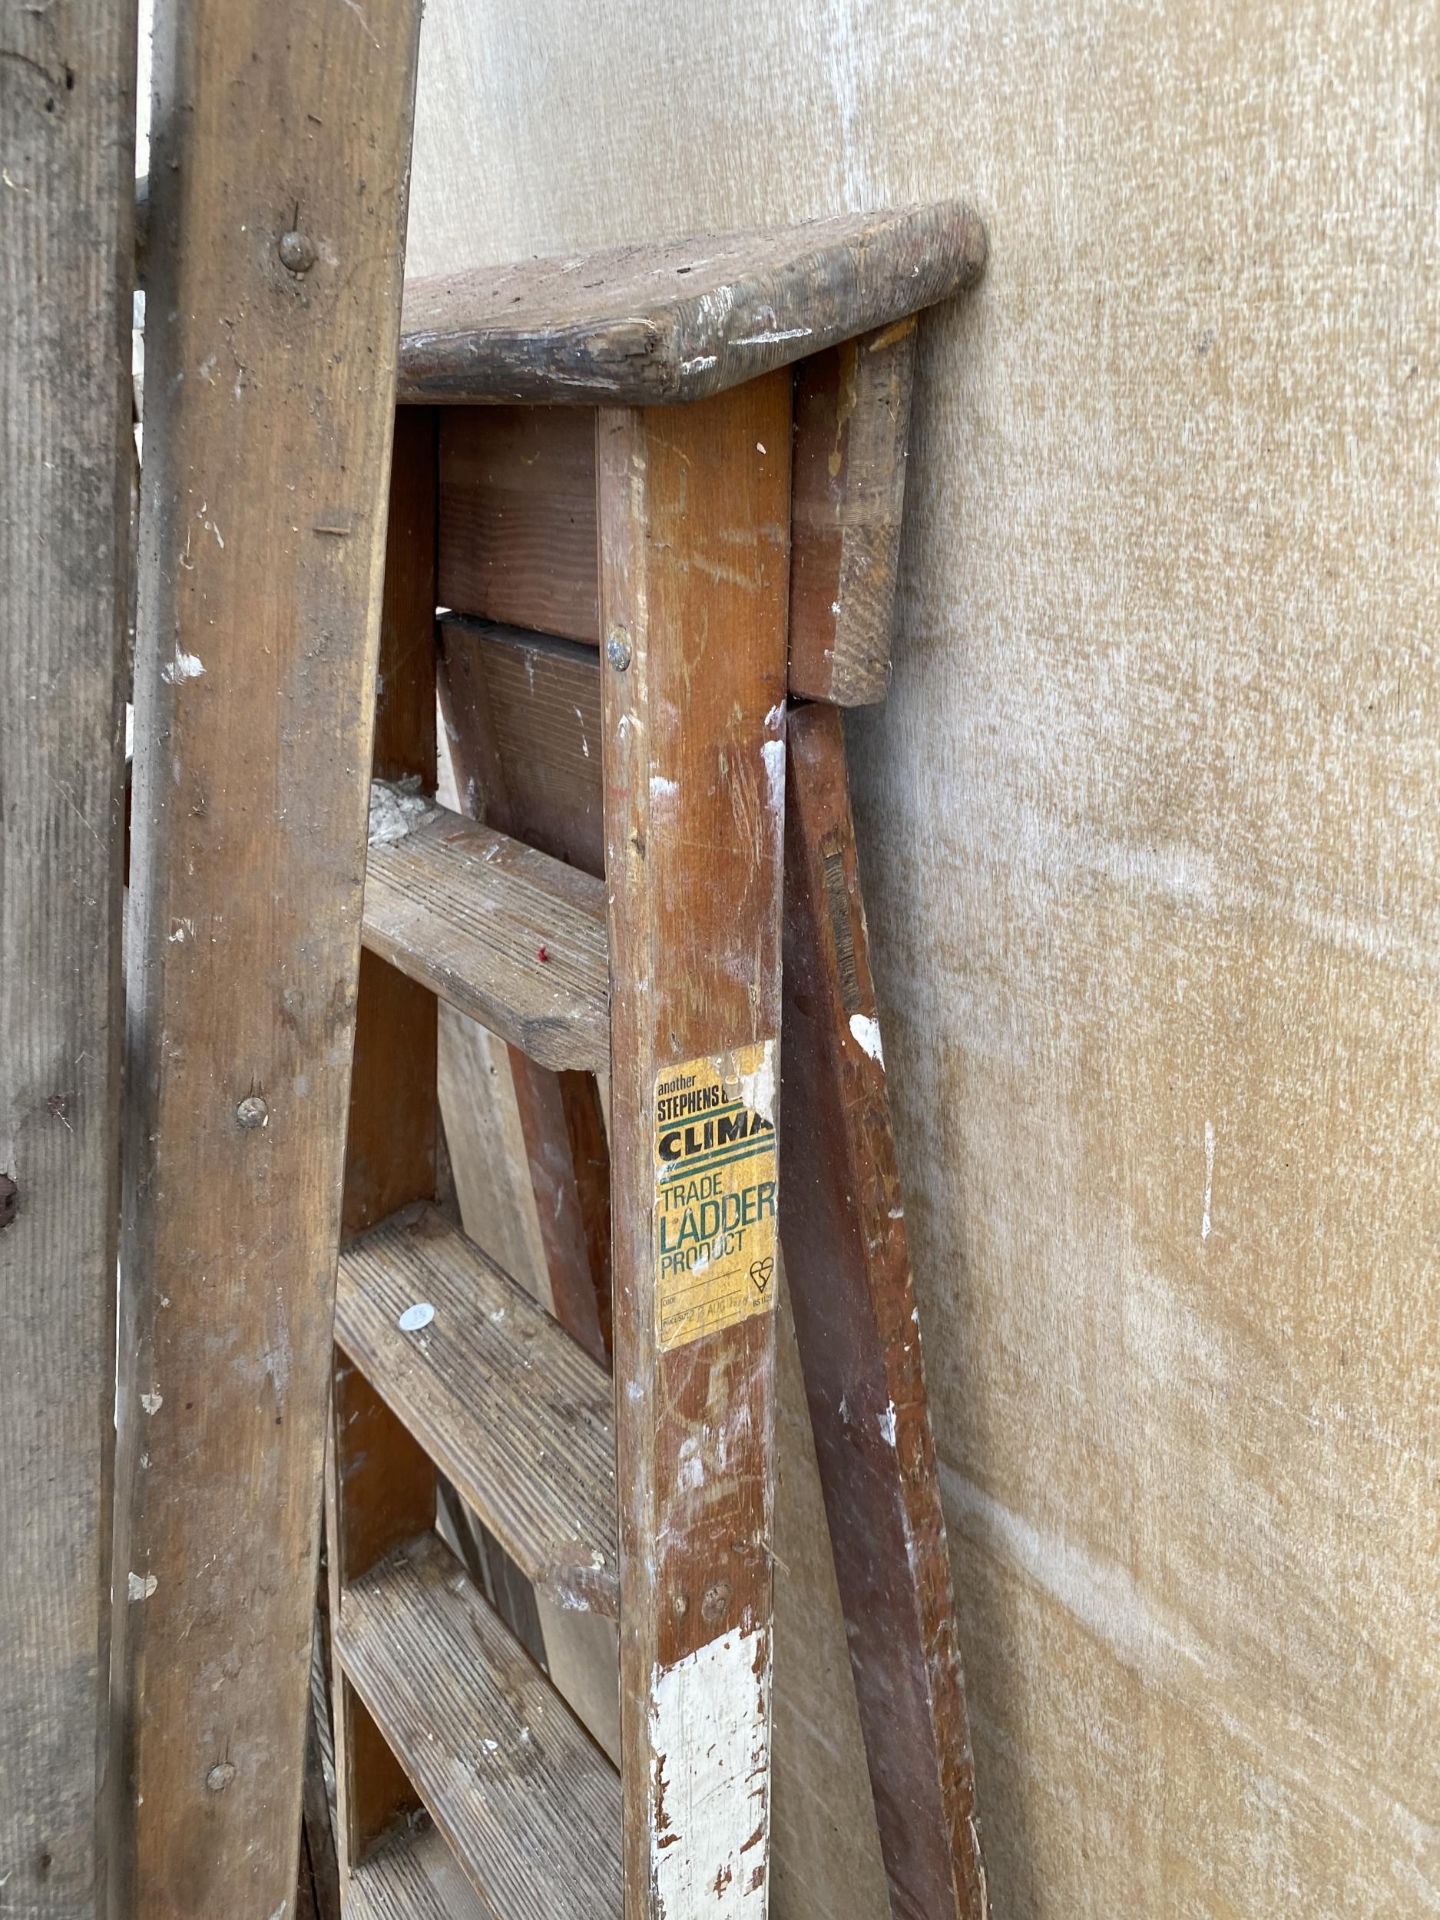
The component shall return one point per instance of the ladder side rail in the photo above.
(277, 215)
(694, 518)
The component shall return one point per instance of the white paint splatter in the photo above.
(773, 754)
(757, 1088)
(152, 1402)
(886, 1423)
(278, 1356)
(771, 338)
(184, 930)
(710, 1725)
(865, 1031)
(142, 1589)
(1209, 1179)
(185, 666)
(416, 1317)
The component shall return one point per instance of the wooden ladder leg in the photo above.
(847, 1267)
(276, 237)
(67, 131)
(694, 508)
(380, 1485)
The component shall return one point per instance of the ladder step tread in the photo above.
(681, 319)
(512, 938)
(528, 1803)
(412, 1876)
(517, 1416)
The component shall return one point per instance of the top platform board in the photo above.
(681, 319)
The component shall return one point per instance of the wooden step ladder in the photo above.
(593, 481)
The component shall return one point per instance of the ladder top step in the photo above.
(680, 319)
(529, 1804)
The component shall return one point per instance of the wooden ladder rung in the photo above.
(528, 1803)
(412, 1876)
(514, 1413)
(507, 935)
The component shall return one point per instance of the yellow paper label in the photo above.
(714, 1192)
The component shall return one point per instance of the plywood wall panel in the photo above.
(1149, 834)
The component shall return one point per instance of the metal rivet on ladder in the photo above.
(297, 251)
(219, 1777)
(252, 1112)
(617, 649)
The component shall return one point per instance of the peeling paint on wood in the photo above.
(708, 1849)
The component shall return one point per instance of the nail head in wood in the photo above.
(297, 251)
(253, 1112)
(617, 648)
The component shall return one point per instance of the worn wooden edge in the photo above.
(682, 320)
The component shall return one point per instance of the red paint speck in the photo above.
(542, 953)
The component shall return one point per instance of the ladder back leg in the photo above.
(694, 507)
(847, 1266)
(271, 351)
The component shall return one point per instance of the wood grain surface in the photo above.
(270, 413)
(67, 134)
(678, 320)
(694, 517)
(523, 711)
(518, 539)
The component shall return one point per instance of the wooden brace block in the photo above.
(852, 419)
